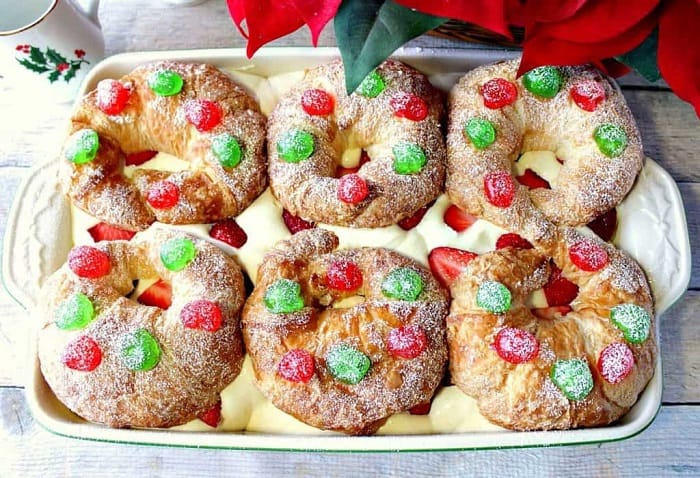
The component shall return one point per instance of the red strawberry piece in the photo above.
(230, 232)
(420, 409)
(105, 232)
(163, 195)
(212, 416)
(551, 313)
(587, 94)
(343, 275)
(341, 171)
(136, 159)
(559, 290)
(159, 294)
(447, 263)
(499, 188)
(295, 223)
(516, 345)
(615, 362)
(409, 106)
(201, 314)
(458, 219)
(588, 256)
(498, 92)
(407, 341)
(202, 114)
(604, 225)
(112, 96)
(533, 180)
(511, 239)
(82, 354)
(89, 262)
(412, 221)
(317, 102)
(297, 365)
(352, 188)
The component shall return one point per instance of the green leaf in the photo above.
(643, 58)
(368, 32)
(54, 75)
(55, 57)
(37, 56)
(70, 74)
(32, 66)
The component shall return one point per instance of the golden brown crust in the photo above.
(195, 364)
(208, 191)
(309, 188)
(392, 384)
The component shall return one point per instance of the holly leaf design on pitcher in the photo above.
(50, 61)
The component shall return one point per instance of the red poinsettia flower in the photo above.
(79, 53)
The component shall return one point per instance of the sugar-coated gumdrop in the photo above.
(407, 341)
(498, 92)
(228, 231)
(139, 350)
(82, 354)
(347, 364)
(633, 321)
(163, 195)
(82, 146)
(511, 239)
(343, 275)
(297, 365)
(177, 253)
(587, 94)
(295, 145)
(112, 96)
(317, 102)
(165, 82)
(201, 314)
(409, 106)
(352, 188)
(588, 256)
(545, 81)
(74, 313)
(283, 296)
(409, 158)
(204, 115)
(480, 132)
(516, 345)
(227, 150)
(611, 139)
(402, 283)
(573, 377)
(615, 362)
(372, 86)
(89, 262)
(493, 297)
(499, 188)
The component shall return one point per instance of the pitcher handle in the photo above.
(89, 8)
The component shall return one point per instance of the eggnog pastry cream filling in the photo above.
(243, 406)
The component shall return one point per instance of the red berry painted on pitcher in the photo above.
(82, 354)
(407, 341)
(230, 232)
(163, 195)
(516, 345)
(317, 102)
(498, 92)
(88, 262)
(344, 276)
(201, 314)
(499, 188)
(588, 256)
(615, 362)
(587, 94)
(203, 114)
(297, 365)
(352, 188)
(112, 96)
(409, 106)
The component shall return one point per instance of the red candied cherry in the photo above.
(230, 232)
(82, 354)
(88, 262)
(516, 345)
(559, 290)
(499, 188)
(163, 195)
(588, 256)
(295, 223)
(297, 365)
(511, 239)
(352, 189)
(203, 114)
(317, 102)
(413, 220)
(533, 180)
(344, 276)
(587, 94)
(457, 219)
(212, 416)
(604, 226)
(201, 314)
(112, 96)
(407, 341)
(140, 157)
(498, 92)
(615, 362)
(409, 106)
(420, 409)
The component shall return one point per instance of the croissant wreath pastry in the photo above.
(114, 361)
(192, 111)
(342, 339)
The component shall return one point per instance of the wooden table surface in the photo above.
(30, 133)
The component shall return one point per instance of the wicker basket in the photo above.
(463, 31)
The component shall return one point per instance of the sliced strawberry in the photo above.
(105, 232)
(511, 239)
(559, 290)
(136, 159)
(230, 232)
(447, 263)
(159, 294)
(420, 409)
(412, 221)
(549, 313)
(458, 219)
(295, 223)
(533, 180)
(341, 171)
(604, 225)
(212, 417)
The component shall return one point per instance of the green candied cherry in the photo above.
(480, 132)
(283, 296)
(402, 283)
(139, 350)
(372, 86)
(177, 253)
(74, 313)
(295, 145)
(227, 150)
(347, 364)
(409, 158)
(573, 377)
(165, 82)
(493, 297)
(611, 139)
(633, 321)
(545, 81)
(82, 146)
